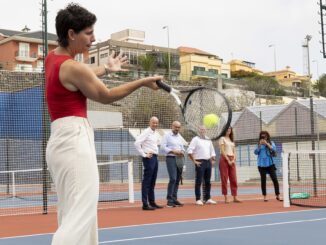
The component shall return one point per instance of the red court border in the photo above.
(37, 224)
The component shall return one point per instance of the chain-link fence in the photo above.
(26, 186)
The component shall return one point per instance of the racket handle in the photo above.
(163, 86)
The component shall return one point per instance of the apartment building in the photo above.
(197, 64)
(131, 43)
(245, 66)
(288, 78)
(23, 50)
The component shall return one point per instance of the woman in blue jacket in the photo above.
(265, 163)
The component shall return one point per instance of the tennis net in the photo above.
(32, 190)
(304, 178)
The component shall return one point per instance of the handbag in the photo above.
(273, 153)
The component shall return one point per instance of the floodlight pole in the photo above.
(306, 45)
(273, 45)
(169, 64)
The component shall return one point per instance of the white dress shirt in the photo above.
(201, 148)
(172, 142)
(147, 142)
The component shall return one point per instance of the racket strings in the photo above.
(203, 102)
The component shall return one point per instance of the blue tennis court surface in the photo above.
(37, 201)
(287, 228)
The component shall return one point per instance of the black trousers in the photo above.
(149, 179)
(271, 170)
(203, 172)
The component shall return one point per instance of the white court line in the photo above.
(211, 230)
(179, 221)
(218, 218)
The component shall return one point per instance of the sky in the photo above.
(231, 29)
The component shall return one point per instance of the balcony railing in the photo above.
(204, 74)
(21, 56)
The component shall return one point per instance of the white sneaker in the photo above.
(210, 201)
(199, 202)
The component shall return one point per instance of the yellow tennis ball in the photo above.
(211, 120)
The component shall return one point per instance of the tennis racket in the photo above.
(200, 102)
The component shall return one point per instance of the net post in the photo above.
(131, 182)
(13, 184)
(285, 165)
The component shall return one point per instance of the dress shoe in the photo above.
(154, 205)
(178, 204)
(148, 208)
(170, 205)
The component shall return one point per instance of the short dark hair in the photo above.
(72, 17)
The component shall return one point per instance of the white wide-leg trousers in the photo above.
(71, 158)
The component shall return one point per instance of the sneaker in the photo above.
(178, 204)
(170, 205)
(210, 201)
(199, 202)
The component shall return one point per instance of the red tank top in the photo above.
(61, 102)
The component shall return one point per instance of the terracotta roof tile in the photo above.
(190, 50)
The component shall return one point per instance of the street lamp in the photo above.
(273, 45)
(306, 45)
(169, 65)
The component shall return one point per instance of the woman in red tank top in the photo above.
(71, 155)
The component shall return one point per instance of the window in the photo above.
(39, 65)
(133, 57)
(40, 50)
(79, 58)
(224, 75)
(296, 84)
(199, 68)
(213, 71)
(23, 49)
(103, 55)
(92, 59)
(159, 58)
(175, 60)
(24, 67)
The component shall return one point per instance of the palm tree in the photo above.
(165, 63)
(148, 63)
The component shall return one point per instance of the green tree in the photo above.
(242, 74)
(263, 85)
(148, 63)
(165, 62)
(320, 85)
